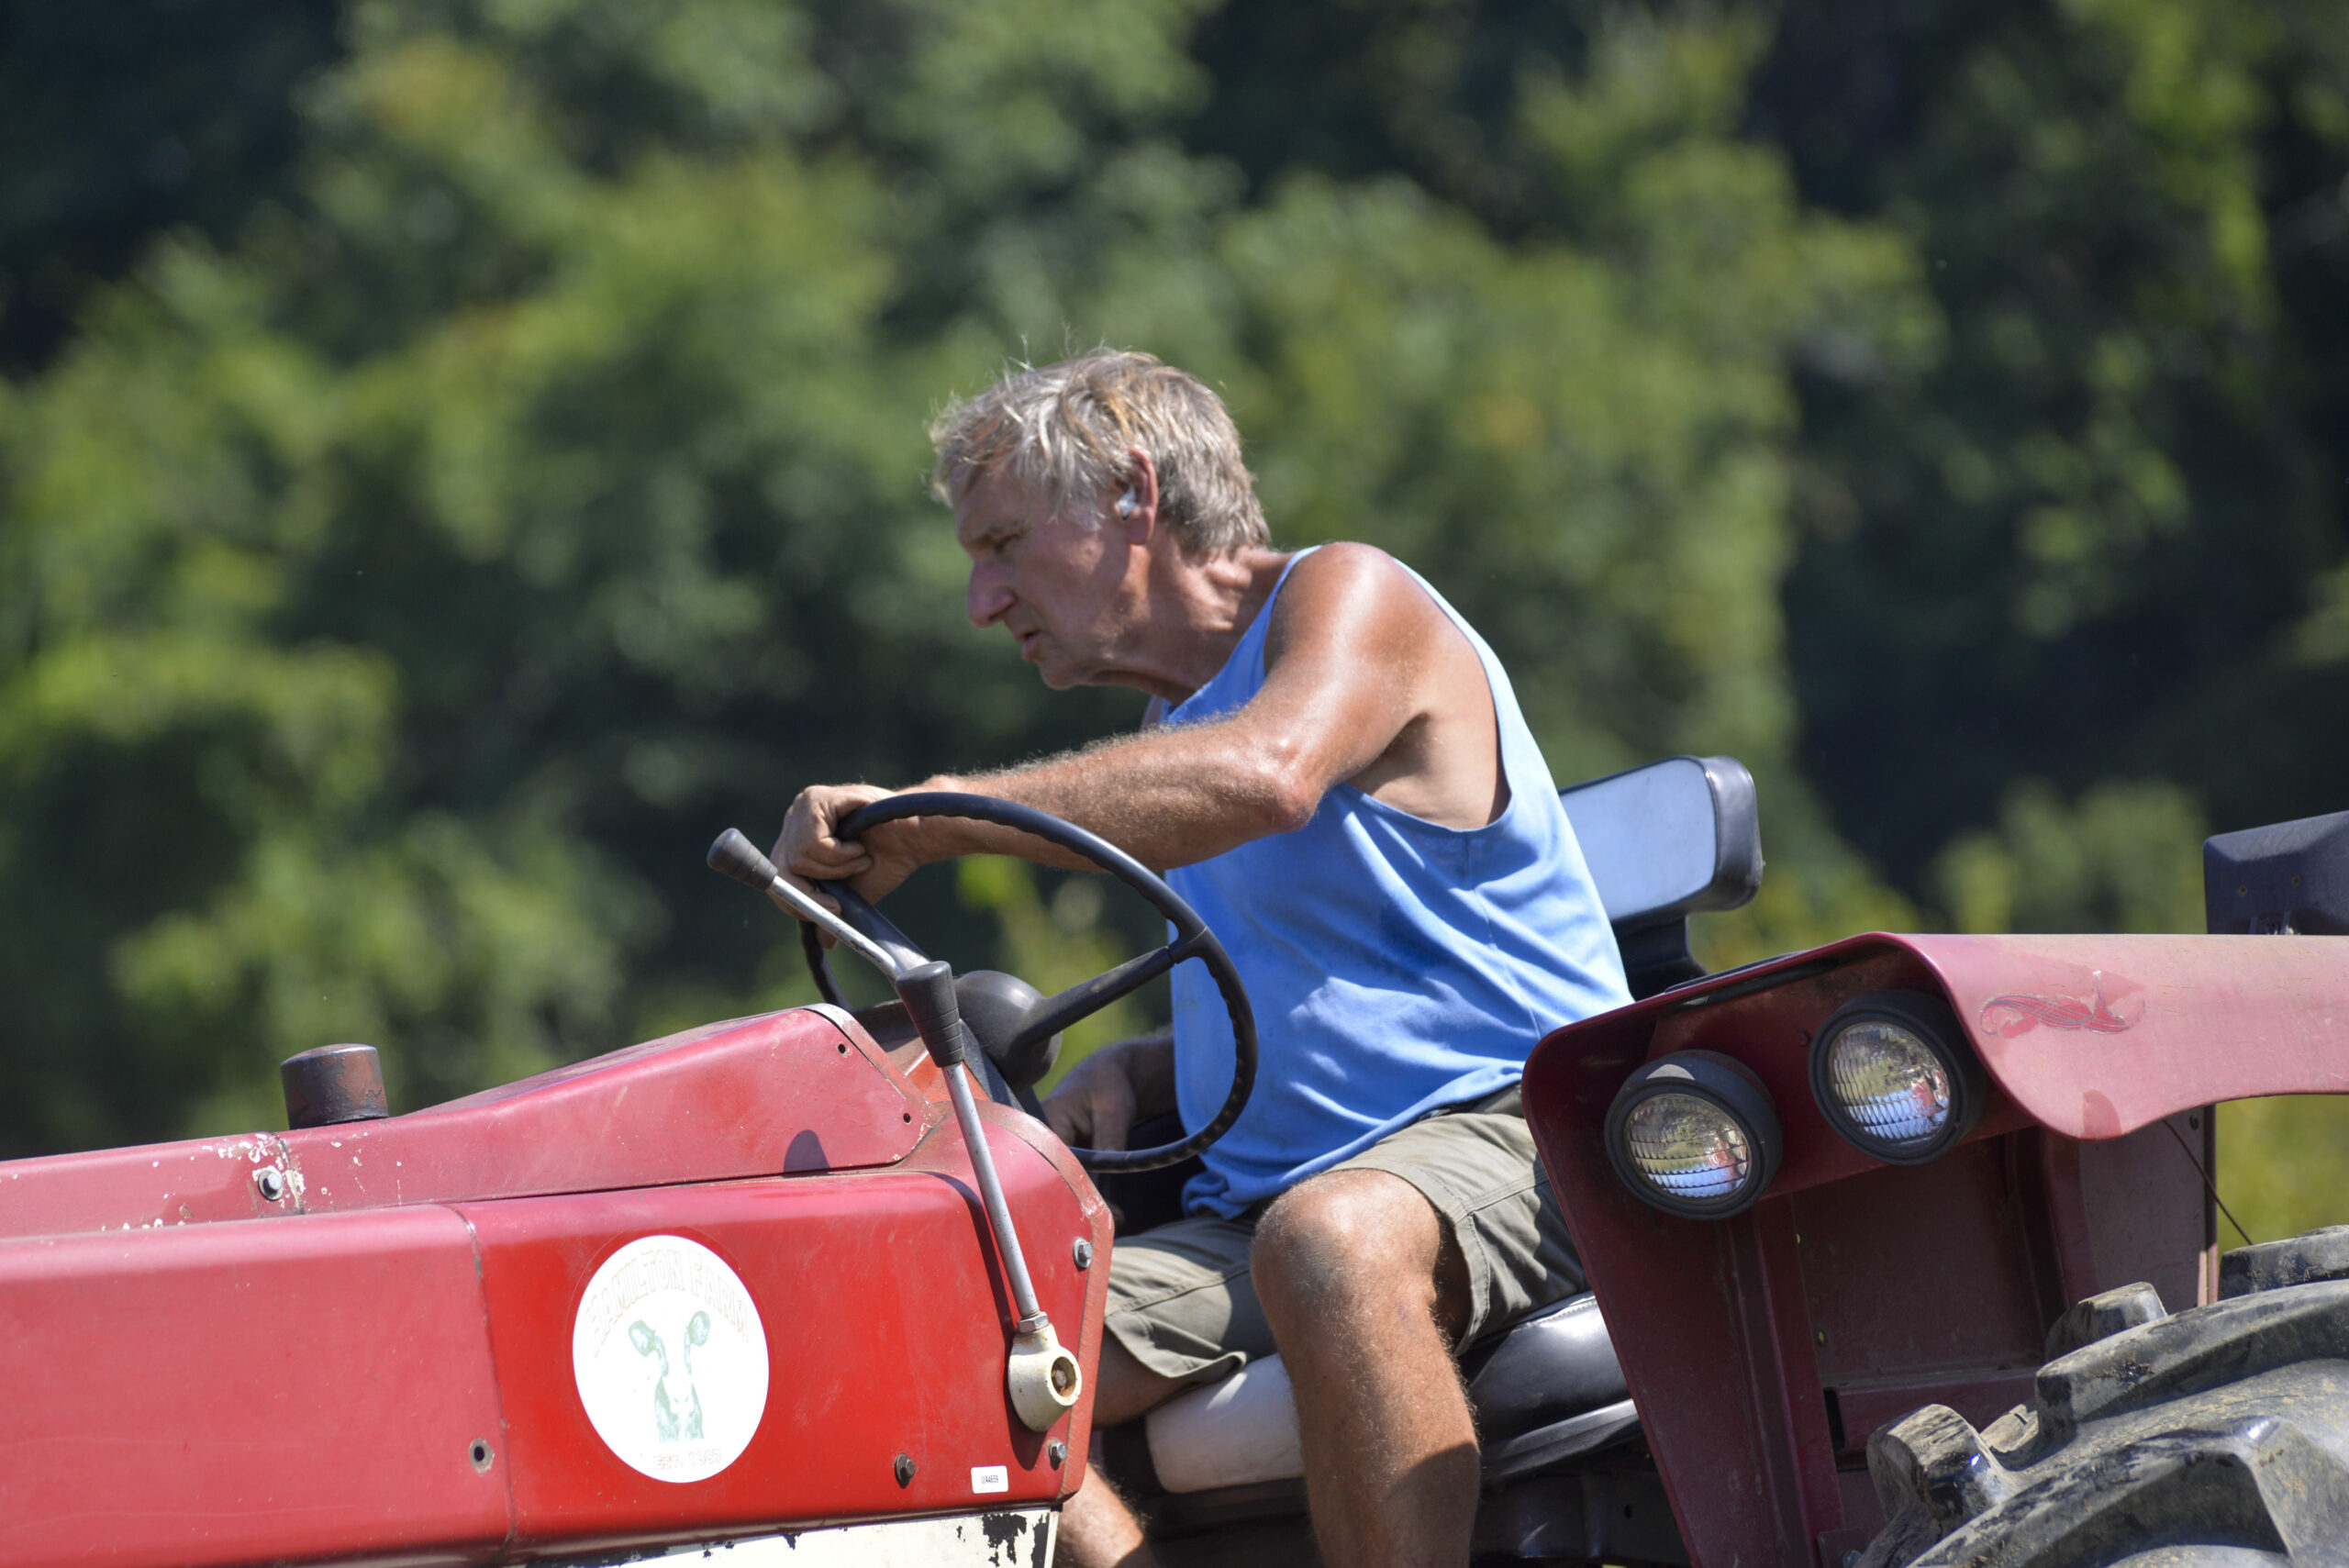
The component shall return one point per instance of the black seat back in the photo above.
(1663, 842)
(2291, 879)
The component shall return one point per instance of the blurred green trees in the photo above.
(413, 551)
(119, 121)
(2101, 540)
(401, 594)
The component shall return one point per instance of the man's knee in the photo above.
(1347, 1234)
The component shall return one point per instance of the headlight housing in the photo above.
(1694, 1134)
(1895, 1077)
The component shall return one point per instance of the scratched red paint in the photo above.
(2015, 1014)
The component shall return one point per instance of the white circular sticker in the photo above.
(671, 1358)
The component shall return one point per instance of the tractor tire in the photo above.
(2218, 1438)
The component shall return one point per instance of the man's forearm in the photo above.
(1166, 797)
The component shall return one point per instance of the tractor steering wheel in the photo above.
(1052, 1014)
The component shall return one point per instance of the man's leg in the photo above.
(1366, 1291)
(1097, 1530)
(1180, 1309)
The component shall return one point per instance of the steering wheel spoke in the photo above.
(1087, 997)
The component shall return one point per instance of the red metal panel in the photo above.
(1712, 1319)
(158, 1185)
(257, 1392)
(1859, 1502)
(887, 1321)
(1083, 1334)
(1669, 1289)
(1917, 1274)
(308, 1385)
(2100, 1035)
(791, 1090)
(1780, 1350)
(2149, 1213)
(786, 1091)
(1980, 1400)
(1995, 1238)
(2063, 1206)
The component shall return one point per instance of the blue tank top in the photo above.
(1395, 966)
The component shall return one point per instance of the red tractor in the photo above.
(814, 1287)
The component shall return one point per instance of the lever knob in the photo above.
(736, 857)
(927, 992)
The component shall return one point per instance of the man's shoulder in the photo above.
(1346, 582)
(1346, 557)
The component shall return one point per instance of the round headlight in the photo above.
(1694, 1133)
(1895, 1078)
(1689, 1147)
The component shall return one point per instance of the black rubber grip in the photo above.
(928, 991)
(735, 855)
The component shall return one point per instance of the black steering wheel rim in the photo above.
(1192, 940)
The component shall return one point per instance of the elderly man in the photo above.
(1334, 772)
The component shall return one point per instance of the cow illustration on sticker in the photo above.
(676, 1405)
(670, 1359)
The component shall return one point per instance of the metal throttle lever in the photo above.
(1041, 1376)
(736, 857)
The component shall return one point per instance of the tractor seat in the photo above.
(1545, 1389)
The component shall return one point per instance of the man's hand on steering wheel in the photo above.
(808, 851)
(818, 812)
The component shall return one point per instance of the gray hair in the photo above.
(1064, 430)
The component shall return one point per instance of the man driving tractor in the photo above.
(1334, 772)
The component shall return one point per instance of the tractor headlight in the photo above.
(1695, 1134)
(1895, 1077)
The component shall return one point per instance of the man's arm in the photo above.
(1346, 659)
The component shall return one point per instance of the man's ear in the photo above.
(1138, 507)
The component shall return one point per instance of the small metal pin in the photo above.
(1084, 1254)
(905, 1469)
(271, 1183)
(1057, 1453)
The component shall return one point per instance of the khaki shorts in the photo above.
(1182, 1303)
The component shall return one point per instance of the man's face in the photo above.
(1059, 586)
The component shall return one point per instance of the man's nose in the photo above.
(988, 598)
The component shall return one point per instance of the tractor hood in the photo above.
(799, 1091)
(2096, 1036)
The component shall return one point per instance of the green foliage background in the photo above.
(454, 457)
